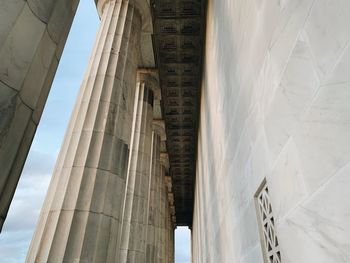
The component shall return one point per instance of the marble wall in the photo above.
(275, 105)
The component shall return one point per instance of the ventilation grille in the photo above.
(267, 225)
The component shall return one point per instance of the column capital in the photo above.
(142, 7)
(173, 218)
(151, 82)
(100, 5)
(164, 160)
(171, 200)
(169, 183)
(159, 128)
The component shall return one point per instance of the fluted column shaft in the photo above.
(32, 37)
(81, 217)
(172, 246)
(158, 215)
(162, 243)
(168, 233)
(170, 215)
(170, 228)
(166, 225)
(151, 235)
(135, 212)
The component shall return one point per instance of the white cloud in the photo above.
(24, 211)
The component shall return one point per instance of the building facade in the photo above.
(228, 116)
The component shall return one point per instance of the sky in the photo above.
(25, 208)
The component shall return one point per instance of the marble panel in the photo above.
(20, 47)
(247, 229)
(294, 94)
(318, 231)
(322, 137)
(328, 32)
(61, 12)
(35, 79)
(286, 185)
(8, 101)
(42, 9)
(16, 131)
(254, 256)
(282, 43)
(9, 12)
(340, 74)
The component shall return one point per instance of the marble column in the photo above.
(168, 203)
(152, 236)
(81, 217)
(32, 36)
(167, 235)
(169, 229)
(163, 208)
(155, 251)
(171, 219)
(135, 212)
(170, 251)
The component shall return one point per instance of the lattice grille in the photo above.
(270, 240)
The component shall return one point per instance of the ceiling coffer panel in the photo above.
(178, 39)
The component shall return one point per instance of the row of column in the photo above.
(160, 225)
(108, 198)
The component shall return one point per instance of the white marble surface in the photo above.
(318, 230)
(275, 105)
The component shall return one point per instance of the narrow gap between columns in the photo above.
(182, 245)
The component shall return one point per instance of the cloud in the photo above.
(24, 211)
(39, 163)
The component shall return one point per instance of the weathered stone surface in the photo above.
(134, 225)
(9, 12)
(19, 48)
(81, 218)
(29, 59)
(42, 9)
(153, 208)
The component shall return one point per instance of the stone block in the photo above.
(9, 12)
(328, 33)
(39, 70)
(42, 9)
(19, 48)
(322, 137)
